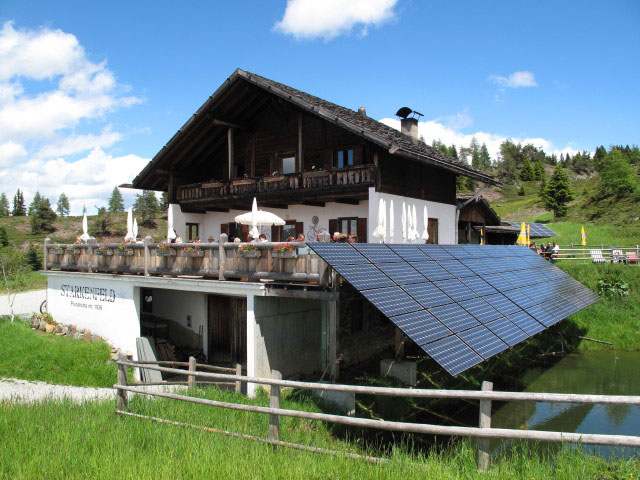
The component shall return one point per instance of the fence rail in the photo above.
(608, 253)
(483, 432)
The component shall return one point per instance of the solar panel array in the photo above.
(461, 304)
(537, 229)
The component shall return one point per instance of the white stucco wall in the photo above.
(105, 307)
(210, 222)
(446, 215)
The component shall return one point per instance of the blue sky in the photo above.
(120, 78)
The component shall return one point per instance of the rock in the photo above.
(57, 329)
(86, 336)
(49, 328)
(43, 325)
(77, 335)
(35, 322)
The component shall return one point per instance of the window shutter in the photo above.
(245, 232)
(362, 230)
(299, 228)
(333, 226)
(224, 228)
(275, 233)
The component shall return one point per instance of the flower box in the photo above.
(73, 251)
(277, 178)
(249, 253)
(291, 254)
(193, 253)
(166, 253)
(104, 251)
(56, 251)
(124, 253)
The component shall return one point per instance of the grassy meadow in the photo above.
(34, 355)
(62, 440)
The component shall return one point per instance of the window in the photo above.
(288, 165)
(192, 231)
(147, 300)
(290, 229)
(345, 158)
(433, 230)
(348, 225)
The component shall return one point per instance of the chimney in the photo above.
(409, 125)
(362, 111)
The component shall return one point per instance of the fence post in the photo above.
(192, 378)
(238, 382)
(274, 402)
(222, 255)
(485, 422)
(147, 255)
(121, 395)
(45, 257)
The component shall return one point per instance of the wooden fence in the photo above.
(583, 252)
(220, 260)
(483, 432)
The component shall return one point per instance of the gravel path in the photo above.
(14, 390)
(25, 303)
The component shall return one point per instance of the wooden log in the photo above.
(592, 439)
(121, 394)
(239, 374)
(279, 443)
(274, 403)
(192, 368)
(484, 422)
(222, 256)
(420, 393)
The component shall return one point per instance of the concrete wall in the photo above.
(106, 307)
(287, 336)
(446, 215)
(176, 305)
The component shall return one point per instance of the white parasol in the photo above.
(391, 233)
(414, 221)
(85, 234)
(380, 230)
(129, 236)
(262, 218)
(404, 222)
(254, 232)
(134, 230)
(171, 234)
(425, 233)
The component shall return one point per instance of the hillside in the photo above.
(610, 221)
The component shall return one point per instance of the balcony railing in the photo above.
(219, 261)
(319, 179)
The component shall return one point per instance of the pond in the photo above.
(592, 372)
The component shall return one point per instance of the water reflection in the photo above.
(606, 373)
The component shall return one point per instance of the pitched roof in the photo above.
(396, 142)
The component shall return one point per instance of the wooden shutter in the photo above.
(299, 228)
(433, 230)
(276, 233)
(333, 226)
(362, 230)
(245, 232)
(224, 228)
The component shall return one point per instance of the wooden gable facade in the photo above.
(258, 138)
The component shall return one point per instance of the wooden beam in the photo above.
(191, 210)
(273, 291)
(230, 152)
(216, 209)
(222, 123)
(275, 205)
(171, 189)
(348, 201)
(300, 145)
(313, 203)
(279, 110)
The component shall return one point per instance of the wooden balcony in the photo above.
(319, 184)
(215, 261)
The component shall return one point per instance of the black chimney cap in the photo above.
(404, 112)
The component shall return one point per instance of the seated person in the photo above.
(210, 239)
(262, 238)
(353, 238)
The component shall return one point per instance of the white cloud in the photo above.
(515, 80)
(457, 120)
(88, 181)
(433, 130)
(328, 19)
(53, 104)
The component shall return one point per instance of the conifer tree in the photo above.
(526, 174)
(164, 201)
(485, 158)
(41, 215)
(538, 170)
(116, 204)
(146, 205)
(522, 191)
(4, 206)
(62, 207)
(558, 192)
(616, 176)
(19, 209)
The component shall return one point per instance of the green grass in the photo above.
(615, 320)
(23, 282)
(61, 440)
(33, 355)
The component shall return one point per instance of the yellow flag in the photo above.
(482, 236)
(528, 234)
(583, 235)
(522, 238)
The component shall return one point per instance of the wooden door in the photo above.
(227, 329)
